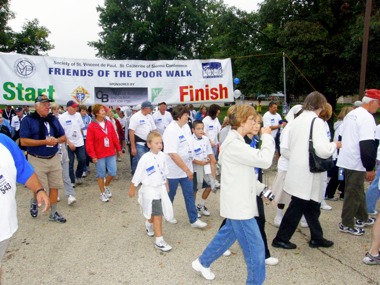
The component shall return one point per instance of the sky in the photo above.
(73, 23)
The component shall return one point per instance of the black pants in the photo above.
(334, 183)
(298, 207)
(261, 223)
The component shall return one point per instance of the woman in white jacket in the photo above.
(305, 187)
(238, 196)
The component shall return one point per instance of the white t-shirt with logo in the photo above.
(162, 121)
(178, 140)
(142, 125)
(73, 125)
(358, 125)
(201, 148)
(271, 120)
(212, 128)
(16, 122)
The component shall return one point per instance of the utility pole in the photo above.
(363, 68)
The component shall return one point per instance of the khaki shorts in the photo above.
(49, 171)
(3, 248)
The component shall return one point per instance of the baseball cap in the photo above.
(42, 99)
(146, 104)
(72, 103)
(136, 108)
(372, 94)
(162, 103)
(357, 103)
(18, 109)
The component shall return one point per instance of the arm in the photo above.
(368, 157)
(132, 142)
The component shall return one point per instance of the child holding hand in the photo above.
(153, 196)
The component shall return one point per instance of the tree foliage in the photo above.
(153, 29)
(32, 39)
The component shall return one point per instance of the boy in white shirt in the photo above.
(151, 171)
(204, 166)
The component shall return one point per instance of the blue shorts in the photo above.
(104, 165)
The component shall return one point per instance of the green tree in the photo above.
(31, 40)
(153, 29)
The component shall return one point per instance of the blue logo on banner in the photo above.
(212, 70)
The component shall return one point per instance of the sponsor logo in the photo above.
(80, 94)
(24, 68)
(212, 70)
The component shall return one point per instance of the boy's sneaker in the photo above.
(149, 229)
(369, 259)
(325, 207)
(33, 209)
(84, 174)
(57, 218)
(361, 224)
(172, 221)
(331, 199)
(79, 180)
(206, 272)
(199, 224)
(107, 191)
(71, 200)
(353, 231)
(162, 245)
(103, 197)
(199, 215)
(203, 210)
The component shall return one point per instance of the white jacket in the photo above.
(238, 180)
(299, 181)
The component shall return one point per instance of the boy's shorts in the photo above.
(195, 184)
(157, 208)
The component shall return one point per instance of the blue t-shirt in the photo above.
(30, 129)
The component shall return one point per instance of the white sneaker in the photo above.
(163, 246)
(271, 261)
(203, 210)
(227, 252)
(303, 223)
(217, 184)
(277, 221)
(84, 174)
(58, 198)
(199, 224)
(172, 221)
(107, 191)
(149, 229)
(199, 215)
(103, 197)
(206, 272)
(71, 200)
(324, 206)
(79, 180)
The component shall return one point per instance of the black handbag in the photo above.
(317, 164)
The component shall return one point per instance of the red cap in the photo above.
(373, 94)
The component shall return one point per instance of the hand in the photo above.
(266, 130)
(51, 141)
(132, 192)
(95, 160)
(370, 175)
(133, 151)
(338, 145)
(120, 153)
(189, 174)
(71, 146)
(42, 197)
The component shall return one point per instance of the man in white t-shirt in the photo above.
(16, 123)
(140, 125)
(162, 118)
(358, 158)
(72, 123)
(273, 120)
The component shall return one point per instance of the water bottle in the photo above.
(341, 174)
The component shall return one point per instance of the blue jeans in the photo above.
(106, 165)
(80, 153)
(140, 151)
(248, 235)
(373, 192)
(188, 195)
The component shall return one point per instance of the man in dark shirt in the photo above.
(41, 133)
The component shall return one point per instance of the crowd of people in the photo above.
(188, 148)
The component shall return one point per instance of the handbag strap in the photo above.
(311, 131)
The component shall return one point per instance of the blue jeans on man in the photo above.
(248, 235)
(188, 195)
(140, 151)
(80, 153)
(373, 192)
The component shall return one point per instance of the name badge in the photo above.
(142, 122)
(150, 170)
(106, 142)
(197, 151)
(182, 138)
(68, 123)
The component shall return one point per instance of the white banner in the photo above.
(114, 82)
